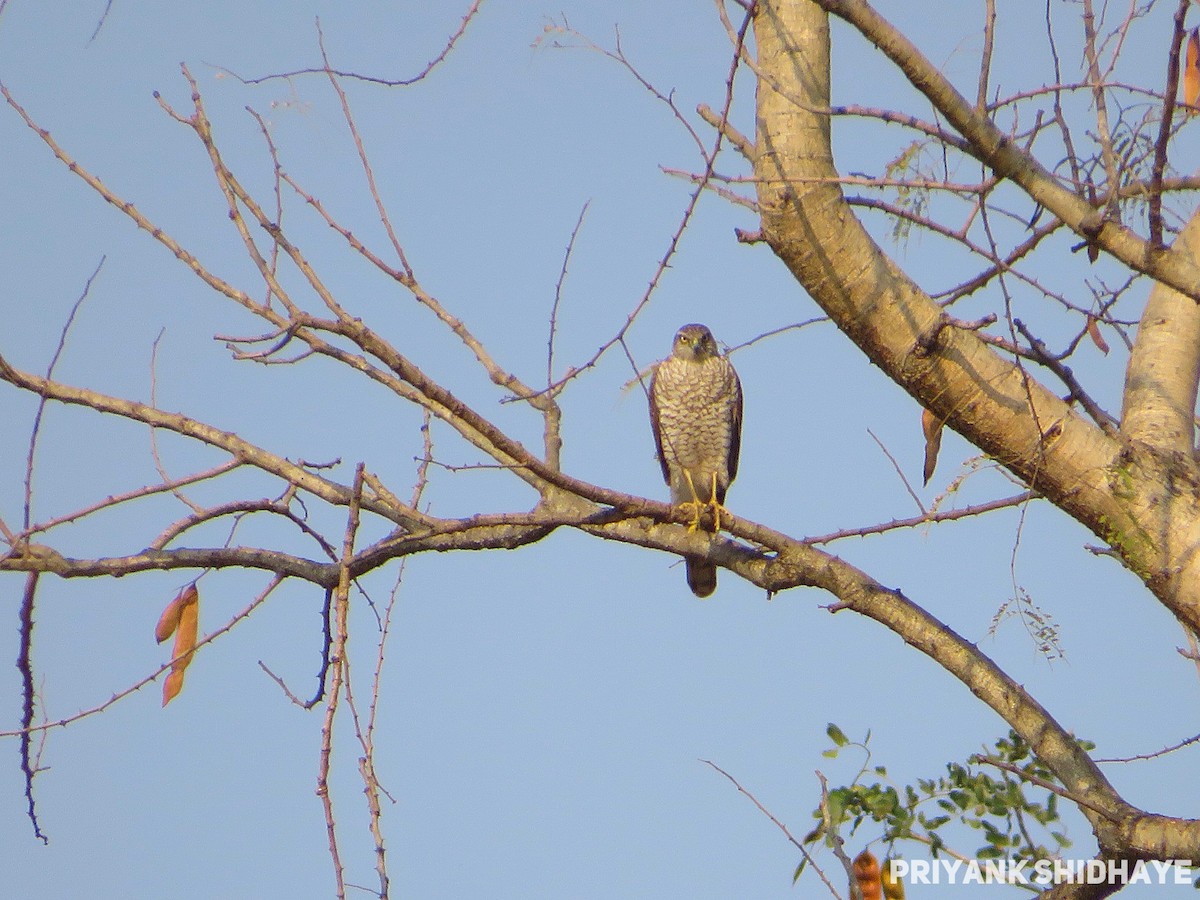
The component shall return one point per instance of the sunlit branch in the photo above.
(927, 518)
(236, 446)
(1007, 160)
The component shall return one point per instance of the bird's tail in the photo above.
(701, 577)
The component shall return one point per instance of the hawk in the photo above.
(696, 415)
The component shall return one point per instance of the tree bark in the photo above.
(1141, 498)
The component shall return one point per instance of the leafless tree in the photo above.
(1075, 165)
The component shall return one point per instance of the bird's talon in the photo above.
(717, 507)
(695, 506)
(718, 511)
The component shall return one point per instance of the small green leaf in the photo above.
(836, 807)
(836, 735)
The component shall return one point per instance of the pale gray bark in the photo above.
(1140, 496)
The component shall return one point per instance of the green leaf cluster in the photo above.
(1002, 794)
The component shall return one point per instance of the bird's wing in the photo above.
(655, 427)
(735, 436)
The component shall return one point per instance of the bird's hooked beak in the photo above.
(692, 345)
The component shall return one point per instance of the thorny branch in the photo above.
(340, 675)
(424, 72)
(25, 667)
(839, 849)
(777, 823)
(41, 408)
(710, 161)
(1139, 757)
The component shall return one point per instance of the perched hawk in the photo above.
(696, 414)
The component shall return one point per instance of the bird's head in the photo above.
(695, 342)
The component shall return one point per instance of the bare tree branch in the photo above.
(1009, 161)
(25, 667)
(41, 408)
(467, 18)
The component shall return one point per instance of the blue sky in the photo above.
(544, 711)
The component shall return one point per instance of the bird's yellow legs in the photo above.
(696, 504)
(717, 507)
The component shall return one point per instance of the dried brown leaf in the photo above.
(186, 626)
(1191, 74)
(172, 686)
(866, 873)
(1093, 330)
(931, 425)
(893, 886)
(169, 620)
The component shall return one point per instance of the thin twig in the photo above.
(366, 738)
(1041, 354)
(158, 463)
(1193, 652)
(795, 326)
(899, 471)
(778, 824)
(136, 494)
(985, 60)
(558, 286)
(368, 171)
(277, 183)
(240, 508)
(103, 19)
(1046, 785)
(1164, 128)
(41, 407)
(326, 651)
(340, 668)
(723, 193)
(422, 480)
(1103, 131)
(928, 518)
(1186, 742)
(710, 160)
(835, 841)
(372, 79)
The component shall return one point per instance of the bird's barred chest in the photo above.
(695, 402)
